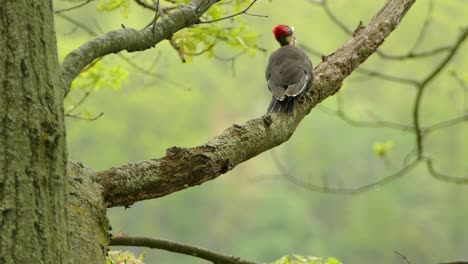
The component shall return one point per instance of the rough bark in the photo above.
(88, 221)
(185, 167)
(131, 39)
(33, 215)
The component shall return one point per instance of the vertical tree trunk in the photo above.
(33, 215)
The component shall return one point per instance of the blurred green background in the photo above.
(253, 211)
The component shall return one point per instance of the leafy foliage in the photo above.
(298, 259)
(124, 257)
(99, 76)
(111, 5)
(204, 38)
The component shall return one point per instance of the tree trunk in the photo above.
(33, 156)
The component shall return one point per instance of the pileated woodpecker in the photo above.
(289, 71)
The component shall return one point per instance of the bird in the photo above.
(288, 73)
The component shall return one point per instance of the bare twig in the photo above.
(77, 116)
(387, 77)
(177, 248)
(425, 26)
(73, 7)
(443, 177)
(421, 88)
(80, 102)
(335, 19)
(402, 256)
(413, 55)
(460, 81)
(234, 15)
(144, 4)
(365, 71)
(360, 123)
(444, 124)
(345, 191)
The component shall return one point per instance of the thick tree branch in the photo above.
(177, 248)
(131, 39)
(185, 167)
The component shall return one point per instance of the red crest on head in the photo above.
(281, 30)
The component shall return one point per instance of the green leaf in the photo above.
(381, 149)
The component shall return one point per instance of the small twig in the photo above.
(343, 191)
(85, 118)
(80, 102)
(78, 24)
(73, 7)
(156, 13)
(402, 256)
(387, 77)
(460, 81)
(421, 88)
(144, 4)
(177, 248)
(413, 55)
(443, 177)
(425, 26)
(360, 123)
(236, 14)
(335, 19)
(444, 124)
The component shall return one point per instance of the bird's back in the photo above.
(287, 65)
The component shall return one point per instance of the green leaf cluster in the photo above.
(298, 259)
(111, 5)
(124, 257)
(233, 33)
(99, 76)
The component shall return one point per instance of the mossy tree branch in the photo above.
(185, 167)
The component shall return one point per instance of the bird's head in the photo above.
(284, 35)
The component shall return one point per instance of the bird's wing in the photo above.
(296, 89)
(276, 90)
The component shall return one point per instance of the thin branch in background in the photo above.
(79, 24)
(423, 84)
(156, 13)
(77, 116)
(360, 123)
(243, 12)
(80, 102)
(424, 28)
(144, 4)
(402, 256)
(335, 19)
(387, 77)
(152, 74)
(444, 124)
(232, 60)
(345, 191)
(413, 55)
(410, 54)
(73, 7)
(189, 250)
(459, 80)
(443, 177)
(364, 71)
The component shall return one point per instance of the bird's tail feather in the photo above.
(285, 106)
